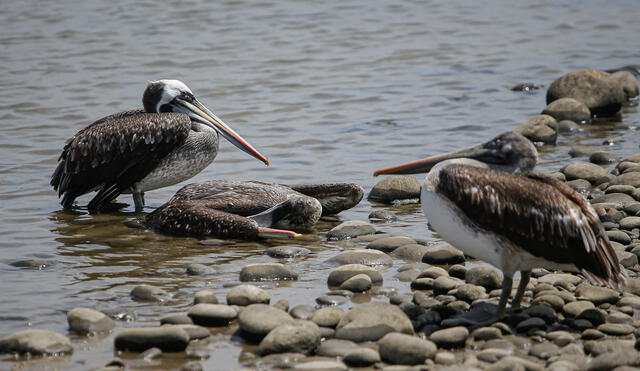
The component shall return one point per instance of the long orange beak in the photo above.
(424, 165)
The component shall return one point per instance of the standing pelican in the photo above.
(171, 140)
(514, 222)
(248, 210)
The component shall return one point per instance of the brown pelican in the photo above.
(171, 140)
(248, 210)
(514, 222)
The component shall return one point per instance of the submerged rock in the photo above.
(267, 272)
(244, 295)
(350, 229)
(86, 321)
(139, 339)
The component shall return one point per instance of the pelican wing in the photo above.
(538, 213)
(115, 152)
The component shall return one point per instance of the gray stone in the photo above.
(580, 185)
(331, 300)
(302, 311)
(195, 332)
(350, 229)
(298, 337)
(615, 360)
(287, 252)
(197, 269)
(619, 236)
(176, 319)
(357, 283)
(486, 277)
(574, 309)
(511, 362)
(567, 126)
(541, 128)
(595, 348)
(598, 90)
(139, 339)
(411, 252)
(362, 256)
(555, 278)
(361, 357)
(443, 254)
(150, 354)
(619, 317)
(615, 329)
(335, 348)
(631, 178)
(568, 109)
(267, 272)
(443, 284)
(531, 323)
(630, 222)
(86, 321)
(36, 342)
(584, 170)
(628, 82)
(544, 350)
(602, 157)
(212, 315)
(258, 319)
(395, 187)
(396, 348)
(382, 215)
(592, 334)
(371, 321)
(390, 243)
(205, 297)
(597, 294)
(542, 311)
(244, 295)
(453, 337)
(327, 317)
(486, 333)
(282, 304)
(343, 273)
(613, 198)
(146, 292)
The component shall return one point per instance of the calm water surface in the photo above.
(329, 91)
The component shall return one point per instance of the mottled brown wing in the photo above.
(334, 197)
(538, 213)
(115, 152)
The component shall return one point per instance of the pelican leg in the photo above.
(507, 283)
(138, 200)
(524, 281)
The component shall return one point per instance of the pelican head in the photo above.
(175, 96)
(510, 152)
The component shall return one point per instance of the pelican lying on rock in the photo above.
(514, 222)
(248, 210)
(171, 140)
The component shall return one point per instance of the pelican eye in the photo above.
(188, 97)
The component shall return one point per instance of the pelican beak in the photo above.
(199, 112)
(277, 233)
(424, 165)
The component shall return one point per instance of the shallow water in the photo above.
(329, 91)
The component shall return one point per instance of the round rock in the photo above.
(382, 215)
(541, 128)
(396, 348)
(36, 342)
(486, 277)
(410, 252)
(350, 229)
(362, 256)
(146, 292)
(584, 170)
(628, 82)
(444, 255)
(287, 252)
(139, 339)
(298, 337)
(212, 315)
(267, 272)
(389, 244)
(335, 348)
(568, 109)
(197, 269)
(244, 295)
(343, 273)
(453, 337)
(357, 283)
(258, 319)
(86, 321)
(395, 187)
(567, 126)
(598, 90)
(602, 158)
(205, 297)
(371, 321)
(361, 357)
(597, 294)
(327, 317)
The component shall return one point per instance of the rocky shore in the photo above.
(566, 323)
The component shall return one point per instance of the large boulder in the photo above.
(598, 90)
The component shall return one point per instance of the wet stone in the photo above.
(176, 319)
(453, 337)
(335, 348)
(258, 319)
(616, 329)
(36, 342)
(287, 252)
(541, 128)
(333, 300)
(88, 321)
(212, 315)
(146, 292)
(544, 350)
(542, 311)
(282, 304)
(195, 332)
(424, 283)
(567, 126)
(598, 90)
(361, 357)
(410, 252)
(486, 277)
(584, 170)
(580, 185)
(594, 316)
(298, 337)
(139, 339)
(443, 254)
(630, 178)
(395, 187)
(458, 271)
(205, 297)
(343, 273)
(197, 269)
(531, 323)
(396, 348)
(357, 283)
(619, 236)
(350, 229)
(120, 314)
(568, 109)
(486, 333)
(613, 198)
(244, 295)
(267, 272)
(150, 354)
(371, 321)
(390, 243)
(628, 82)
(382, 215)
(362, 256)
(597, 294)
(327, 317)
(619, 317)
(302, 311)
(602, 158)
